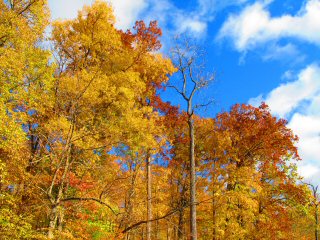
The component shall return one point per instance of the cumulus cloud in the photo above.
(254, 25)
(127, 12)
(307, 127)
(174, 20)
(289, 96)
(185, 24)
(308, 171)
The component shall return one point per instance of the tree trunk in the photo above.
(181, 224)
(193, 216)
(168, 231)
(129, 204)
(149, 206)
(60, 219)
(129, 207)
(52, 222)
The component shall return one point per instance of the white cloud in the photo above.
(159, 10)
(185, 24)
(314, 106)
(307, 127)
(287, 97)
(176, 21)
(287, 51)
(288, 75)
(127, 12)
(308, 171)
(254, 25)
(256, 101)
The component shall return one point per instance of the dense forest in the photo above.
(89, 150)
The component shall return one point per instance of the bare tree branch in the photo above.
(90, 199)
(152, 220)
(203, 104)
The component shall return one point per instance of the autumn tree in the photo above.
(104, 75)
(179, 174)
(25, 82)
(89, 149)
(186, 58)
(259, 182)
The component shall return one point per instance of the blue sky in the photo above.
(260, 50)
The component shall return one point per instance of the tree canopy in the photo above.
(89, 150)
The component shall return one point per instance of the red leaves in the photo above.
(146, 37)
(248, 125)
(82, 184)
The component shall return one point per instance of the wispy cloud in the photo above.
(288, 51)
(174, 20)
(213, 6)
(254, 25)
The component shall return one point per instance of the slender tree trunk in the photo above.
(56, 219)
(185, 56)
(60, 219)
(193, 213)
(181, 224)
(52, 222)
(142, 234)
(129, 206)
(149, 201)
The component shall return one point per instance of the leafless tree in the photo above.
(189, 59)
